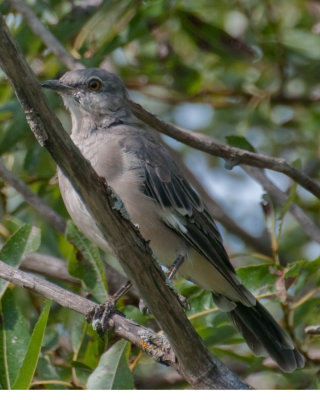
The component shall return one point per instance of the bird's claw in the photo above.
(184, 302)
(143, 307)
(100, 315)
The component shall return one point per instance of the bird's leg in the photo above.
(100, 315)
(175, 266)
(172, 272)
(121, 291)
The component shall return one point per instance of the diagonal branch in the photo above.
(305, 222)
(48, 266)
(144, 338)
(260, 244)
(33, 200)
(45, 264)
(235, 155)
(196, 364)
(197, 140)
(57, 268)
(46, 36)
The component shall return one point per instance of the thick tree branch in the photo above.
(261, 245)
(44, 264)
(153, 344)
(234, 155)
(195, 362)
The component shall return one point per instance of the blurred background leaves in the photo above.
(245, 72)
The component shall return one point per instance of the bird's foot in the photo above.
(184, 302)
(100, 315)
(143, 307)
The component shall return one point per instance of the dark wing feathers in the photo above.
(170, 193)
(162, 181)
(203, 235)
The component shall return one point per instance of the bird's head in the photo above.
(91, 91)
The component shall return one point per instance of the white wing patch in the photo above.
(174, 220)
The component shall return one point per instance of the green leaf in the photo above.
(240, 142)
(47, 370)
(30, 361)
(110, 13)
(258, 278)
(92, 348)
(78, 327)
(304, 271)
(312, 268)
(79, 339)
(290, 199)
(297, 164)
(81, 371)
(113, 370)
(306, 312)
(14, 339)
(91, 271)
(25, 240)
(303, 41)
(15, 131)
(211, 38)
(145, 15)
(295, 268)
(217, 335)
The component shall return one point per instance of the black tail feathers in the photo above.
(262, 332)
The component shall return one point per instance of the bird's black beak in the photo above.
(56, 85)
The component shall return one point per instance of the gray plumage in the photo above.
(160, 201)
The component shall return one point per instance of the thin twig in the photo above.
(49, 266)
(193, 139)
(56, 268)
(219, 98)
(236, 156)
(46, 36)
(44, 264)
(312, 330)
(305, 222)
(260, 244)
(33, 200)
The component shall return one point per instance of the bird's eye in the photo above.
(94, 84)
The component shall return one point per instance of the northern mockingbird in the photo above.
(168, 211)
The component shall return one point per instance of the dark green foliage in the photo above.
(256, 64)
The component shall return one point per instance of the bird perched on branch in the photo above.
(168, 211)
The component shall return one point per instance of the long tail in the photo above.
(262, 332)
